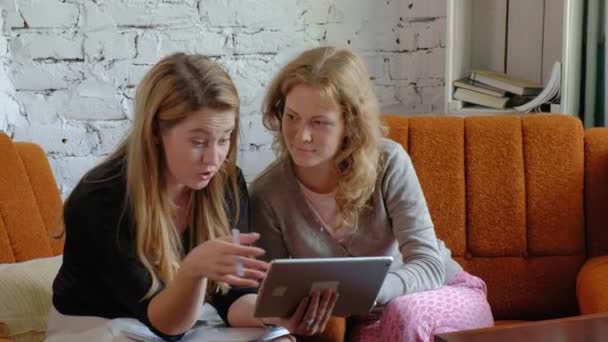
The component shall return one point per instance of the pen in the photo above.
(236, 238)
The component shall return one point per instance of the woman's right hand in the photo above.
(311, 315)
(217, 260)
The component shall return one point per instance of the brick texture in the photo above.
(68, 69)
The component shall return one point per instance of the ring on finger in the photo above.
(310, 322)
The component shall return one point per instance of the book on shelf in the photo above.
(470, 96)
(505, 82)
(479, 87)
(548, 97)
(518, 100)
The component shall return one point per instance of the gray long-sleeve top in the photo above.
(398, 225)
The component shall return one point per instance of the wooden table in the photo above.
(589, 328)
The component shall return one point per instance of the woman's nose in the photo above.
(211, 155)
(303, 133)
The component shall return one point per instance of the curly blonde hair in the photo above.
(342, 78)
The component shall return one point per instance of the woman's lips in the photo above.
(205, 175)
(306, 150)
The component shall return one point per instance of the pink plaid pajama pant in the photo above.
(459, 305)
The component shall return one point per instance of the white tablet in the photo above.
(357, 279)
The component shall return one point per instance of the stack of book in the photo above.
(497, 90)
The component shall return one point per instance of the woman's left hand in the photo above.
(312, 313)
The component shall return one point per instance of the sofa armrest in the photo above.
(592, 285)
(596, 192)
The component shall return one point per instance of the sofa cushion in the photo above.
(25, 295)
(29, 219)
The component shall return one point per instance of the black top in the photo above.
(101, 274)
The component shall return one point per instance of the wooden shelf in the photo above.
(470, 24)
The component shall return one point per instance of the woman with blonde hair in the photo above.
(340, 189)
(147, 230)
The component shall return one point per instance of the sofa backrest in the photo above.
(596, 190)
(30, 204)
(506, 194)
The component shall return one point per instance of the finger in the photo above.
(311, 312)
(320, 315)
(326, 297)
(242, 267)
(238, 281)
(333, 301)
(301, 309)
(325, 321)
(245, 251)
(295, 322)
(308, 321)
(246, 272)
(296, 318)
(249, 238)
(323, 304)
(329, 310)
(255, 264)
(254, 274)
(231, 260)
(233, 269)
(228, 263)
(244, 238)
(229, 248)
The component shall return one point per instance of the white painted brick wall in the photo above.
(69, 69)
(270, 14)
(48, 45)
(99, 46)
(44, 13)
(9, 108)
(3, 39)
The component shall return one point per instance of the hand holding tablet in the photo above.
(311, 315)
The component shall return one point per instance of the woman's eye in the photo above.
(321, 123)
(224, 141)
(199, 143)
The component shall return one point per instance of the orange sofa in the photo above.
(522, 201)
(30, 209)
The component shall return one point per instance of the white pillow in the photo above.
(25, 295)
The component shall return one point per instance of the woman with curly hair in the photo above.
(340, 189)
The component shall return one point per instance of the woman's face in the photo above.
(312, 127)
(195, 148)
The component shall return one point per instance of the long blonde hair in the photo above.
(342, 78)
(177, 86)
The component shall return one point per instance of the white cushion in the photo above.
(26, 295)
